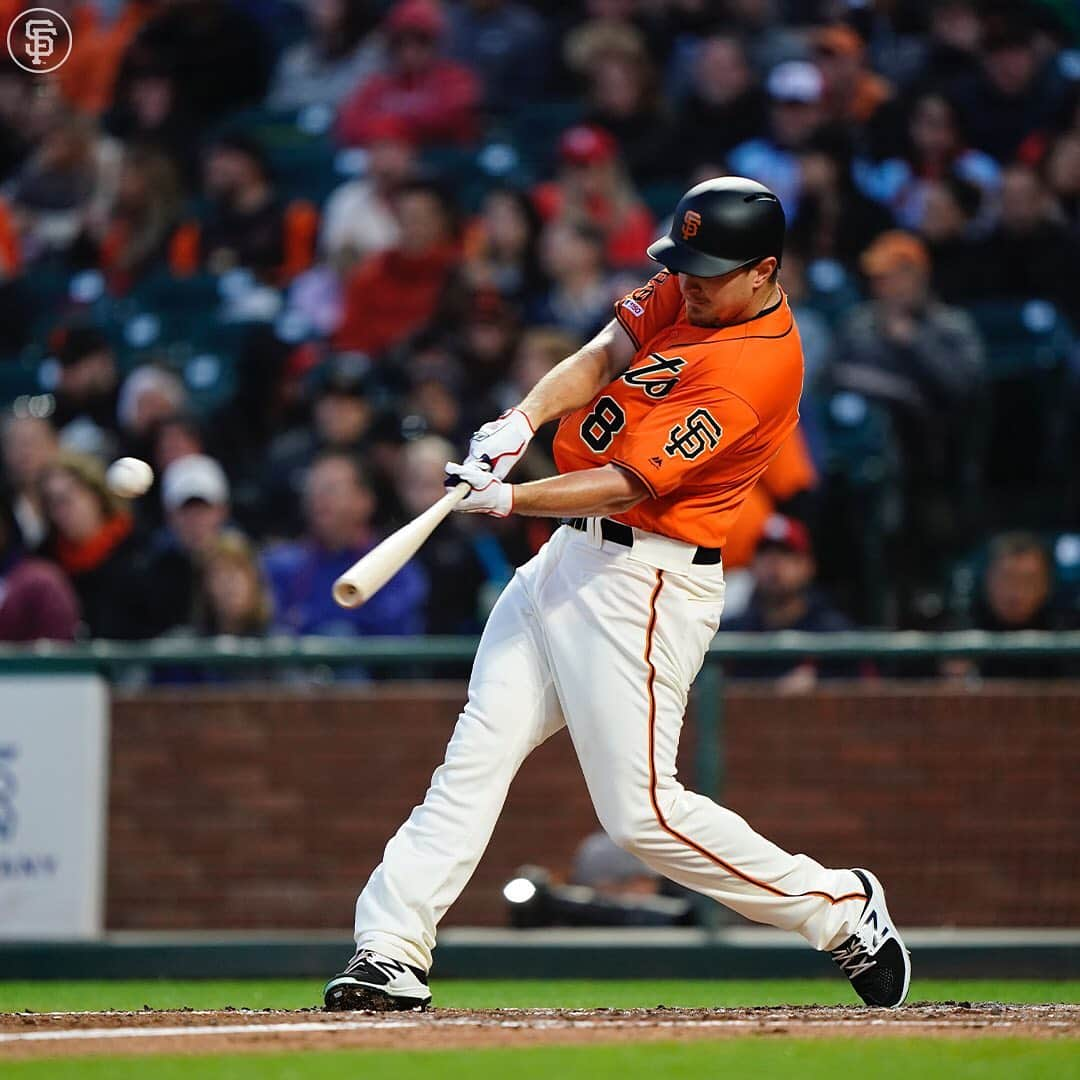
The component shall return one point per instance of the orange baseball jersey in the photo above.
(698, 414)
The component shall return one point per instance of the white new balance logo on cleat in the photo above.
(874, 957)
(369, 962)
(375, 982)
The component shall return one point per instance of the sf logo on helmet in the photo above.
(691, 222)
(701, 433)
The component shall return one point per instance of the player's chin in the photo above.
(700, 315)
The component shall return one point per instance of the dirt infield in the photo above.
(30, 1035)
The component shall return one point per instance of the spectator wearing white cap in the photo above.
(195, 493)
(195, 497)
(148, 395)
(796, 90)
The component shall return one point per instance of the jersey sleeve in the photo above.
(683, 435)
(650, 309)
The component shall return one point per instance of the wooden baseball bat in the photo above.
(368, 575)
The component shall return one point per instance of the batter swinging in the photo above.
(668, 418)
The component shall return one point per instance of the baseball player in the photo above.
(667, 419)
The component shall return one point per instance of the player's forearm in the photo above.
(587, 493)
(579, 378)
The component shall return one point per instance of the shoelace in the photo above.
(853, 959)
(362, 957)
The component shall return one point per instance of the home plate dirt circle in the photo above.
(26, 1035)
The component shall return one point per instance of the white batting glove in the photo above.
(489, 494)
(501, 443)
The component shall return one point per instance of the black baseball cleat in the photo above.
(374, 983)
(874, 958)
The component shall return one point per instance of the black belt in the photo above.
(618, 533)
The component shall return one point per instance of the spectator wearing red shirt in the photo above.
(393, 294)
(436, 98)
(592, 189)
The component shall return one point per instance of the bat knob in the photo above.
(347, 594)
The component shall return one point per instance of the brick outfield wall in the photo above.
(268, 810)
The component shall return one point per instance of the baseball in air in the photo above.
(129, 477)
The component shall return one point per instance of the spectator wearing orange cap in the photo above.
(592, 190)
(434, 97)
(786, 598)
(853, 93)
(924, 361)
(904, 346)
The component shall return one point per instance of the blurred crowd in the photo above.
(292, 252)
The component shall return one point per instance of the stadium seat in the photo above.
(831, 290)
(1066, 551)
(534, 131)
(861, 473)
(18, 376)
(163, 291)
(661, 198)
(858, 439)
(49, 286)
(299, 147)
(1028, 344)
(1023, 337)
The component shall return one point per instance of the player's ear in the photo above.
(764, 270)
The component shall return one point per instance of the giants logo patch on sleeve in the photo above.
(699, 433)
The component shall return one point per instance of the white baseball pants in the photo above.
(607, 641)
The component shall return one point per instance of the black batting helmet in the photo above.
(722, 225)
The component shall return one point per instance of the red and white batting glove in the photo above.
(501, 443)
(489, 494)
